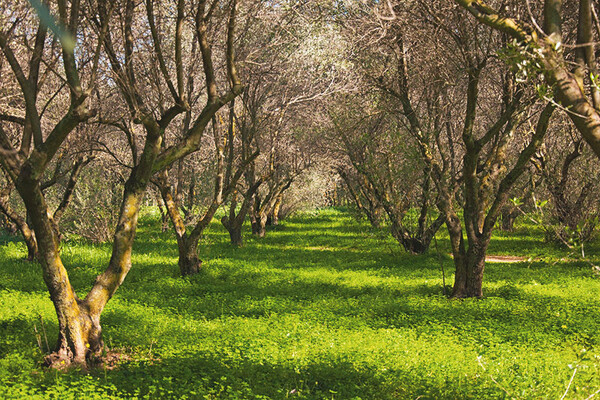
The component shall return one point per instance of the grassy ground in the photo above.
(323, 308)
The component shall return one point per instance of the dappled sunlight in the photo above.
(311, 313)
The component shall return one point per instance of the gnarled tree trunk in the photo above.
(78, 323)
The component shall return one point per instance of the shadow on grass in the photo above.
(234, 376)
(337, 278)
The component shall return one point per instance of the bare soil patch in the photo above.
(504, 259)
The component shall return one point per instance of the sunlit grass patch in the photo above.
(323, 307)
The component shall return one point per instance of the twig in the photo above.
(441, 261)
(593, 395)
(495, 381)
(38, 338)
(569, 385)
(44, 331)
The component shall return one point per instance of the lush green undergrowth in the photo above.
(323, 308)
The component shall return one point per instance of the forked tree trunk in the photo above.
(79, 329)
(262, 209)
(234, 227)
(419, 242)
(187, 245)
(235, 231)
(235, 222)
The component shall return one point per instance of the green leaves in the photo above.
(525, 61)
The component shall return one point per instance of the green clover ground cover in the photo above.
(323, 308)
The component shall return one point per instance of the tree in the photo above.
(474, 163)
(387, 172)
(226, 176)
(543, 50)
(80, 334)
(568, 179)
(279, 49)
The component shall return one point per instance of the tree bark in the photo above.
(468, 281)
(259, 225)
(234, 222)
(273, 218)
(187, 245)
(78, 324)
(509, 216)
(569, 93)
(235, 234)
(189, 263)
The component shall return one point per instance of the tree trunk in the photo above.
(508, 218)
(187, 245)
(22, 226)
(235, 235)
(189, 263)
(231, 222)
(78, 324)
(30, 242)
(259, 225)
(275, 211)
(374, 215)
(79, 338)
(468, 281)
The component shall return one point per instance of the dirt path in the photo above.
(504, 259)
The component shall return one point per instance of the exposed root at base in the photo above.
(109, 359)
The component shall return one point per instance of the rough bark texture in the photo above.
(468, 281)
(80, 333)
(235, 233)
(79, 326)
(189, 263)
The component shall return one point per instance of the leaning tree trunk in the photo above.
(30, 242)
